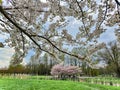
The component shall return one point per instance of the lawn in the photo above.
(36, 84)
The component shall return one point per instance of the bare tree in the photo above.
(111, 55)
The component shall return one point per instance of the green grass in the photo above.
(36, 84)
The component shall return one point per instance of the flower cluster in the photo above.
(65, 70)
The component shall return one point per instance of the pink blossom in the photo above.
(65, 70)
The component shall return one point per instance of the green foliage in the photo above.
(16, 69)
(0, 2)
(88, 71)
(38, 69)
(1, 44)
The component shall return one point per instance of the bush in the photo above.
(64, 72)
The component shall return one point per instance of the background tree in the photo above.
(16, 69)
(111, 56)
(1, 44)
(64, 72)
(41, 65)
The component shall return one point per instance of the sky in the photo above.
(5, 56)
(6, 53)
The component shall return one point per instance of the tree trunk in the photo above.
(118, 72)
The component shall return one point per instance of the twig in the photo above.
(82, 17)
(104, 15)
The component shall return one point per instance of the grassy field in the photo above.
(37, 84)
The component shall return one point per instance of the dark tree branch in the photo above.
(104, 14)
(79, 57)
(81, 11)
(118, 11)
(118, 3)
(25, 7)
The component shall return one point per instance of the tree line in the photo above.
(109, 55)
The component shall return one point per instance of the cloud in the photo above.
(5, 56)
(44, 1)
(3, 37)
(108, 36)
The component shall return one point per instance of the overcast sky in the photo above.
(5, 55)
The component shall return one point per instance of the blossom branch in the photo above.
(104, 14)
(23, 7)
(31, 37)
(82, 17)
(77, 56)
(22, 30)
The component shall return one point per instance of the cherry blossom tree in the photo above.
(65, 71)
(32, 24)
